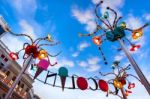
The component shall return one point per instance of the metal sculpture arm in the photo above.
(145, 25)
(134, 77)
(97, 29)
(107, 74)
(50, 62)
(39, 39)
(54, 55)
(20, 35)
(115, 15)
(49, 44)
(99, 16)
(118, 20)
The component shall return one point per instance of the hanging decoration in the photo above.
(63, 73)
(13, 56)
(82, 83)
(42, 54)
(136, 34)
(103, 85)
(135, 47)
(97, 40)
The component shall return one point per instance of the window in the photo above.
(12, 80)
(22, 85)
(27, 90)
(7, 73)
(17, 87)
(6, 60)
(1, 64)
(2, 56)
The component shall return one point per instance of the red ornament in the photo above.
(131, 85)
(135, 47)
(103, 85)
(14, 56)
(122, 80)
(82, 83)
(31, 49)
(127, 92)
(97, 40)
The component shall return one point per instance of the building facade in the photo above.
(9, 70)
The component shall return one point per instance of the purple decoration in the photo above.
(43, 64)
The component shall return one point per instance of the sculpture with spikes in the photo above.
(120, 80)
(112, 32)
(35, 49)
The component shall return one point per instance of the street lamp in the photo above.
(114, 32)
(120, 80)
(32, 51)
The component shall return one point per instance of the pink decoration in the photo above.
(43, 64)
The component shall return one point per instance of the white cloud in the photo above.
(119, 56)
(23, 7)
(27, 28)
(91, 65)
(85, 17)
(83, 64)
(83, 45)
(93, 60)
(14, 43)
(147, 16)
(93, 68)
(133, 22)
(65, 62)
(76, 54)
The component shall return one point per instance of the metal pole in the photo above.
(122, 91)
(143, 79)
(25, 66)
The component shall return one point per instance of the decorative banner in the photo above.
(63, 73)
(81, 82)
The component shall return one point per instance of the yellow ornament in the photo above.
(49, 38)
(136, 34)
(42, 54)
(123, 25)
(118, 84)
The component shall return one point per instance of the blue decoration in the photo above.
(113, 35)
(63, 72)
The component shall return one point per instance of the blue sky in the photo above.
(64, 19)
